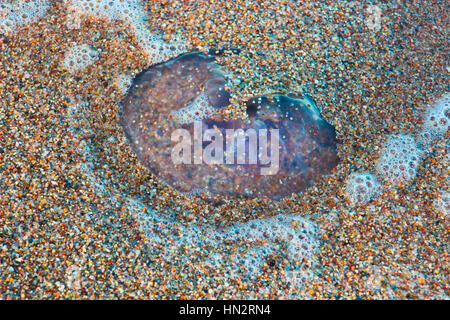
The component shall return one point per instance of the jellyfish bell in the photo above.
(171, 112)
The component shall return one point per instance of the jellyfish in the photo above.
(173, 117)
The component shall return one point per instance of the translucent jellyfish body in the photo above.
(171, 117)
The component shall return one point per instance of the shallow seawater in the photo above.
(267, 149)
(220, 156)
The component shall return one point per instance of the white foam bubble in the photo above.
(73, 277)
(399, 159)
(123, 82)
(373, 20)
(361, 187)
(15, 15)
(79, 57)
(442, 203)
(436, 121)
(133, 13)
(299, 234)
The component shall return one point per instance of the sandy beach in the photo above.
(82, 218)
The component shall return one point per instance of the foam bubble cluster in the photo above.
(293, 235)
(399, 160)
(373, 21)
(19, 13)
(133, 13)
(255, 241)
(296, 232)
(73, 277)
(436, 121)
(128, 10)
(198, 110)
(442, 203)
(401, 156)
(123, 82)
(361, 187)
(79, 57)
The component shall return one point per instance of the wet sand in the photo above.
(80, 217)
